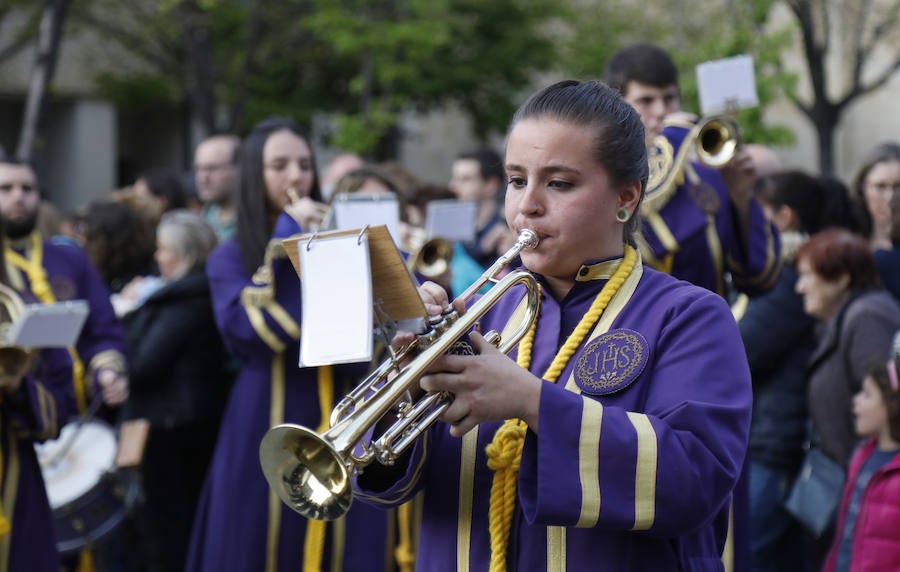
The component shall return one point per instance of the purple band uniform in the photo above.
(641, 441)
(240, 525)
(35, 413)
(71, 276)
(691, 233)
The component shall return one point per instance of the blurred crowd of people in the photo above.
(194, 327)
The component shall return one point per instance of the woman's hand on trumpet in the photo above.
(307, 212)
(488, 386)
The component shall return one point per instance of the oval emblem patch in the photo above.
(461, 348)
(63, 287)
(611, 362)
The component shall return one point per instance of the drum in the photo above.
(82, 486)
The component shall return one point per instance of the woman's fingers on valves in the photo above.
(434, 297)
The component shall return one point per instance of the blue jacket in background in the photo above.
(779, 338)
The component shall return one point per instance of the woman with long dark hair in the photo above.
(240, 524)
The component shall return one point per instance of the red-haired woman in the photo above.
(840, 285)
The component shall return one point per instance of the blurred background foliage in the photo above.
(363, 63)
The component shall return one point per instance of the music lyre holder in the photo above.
(392, 285)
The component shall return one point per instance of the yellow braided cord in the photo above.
(325, 377)
(85, 560)
(523, 358)
(314, 544)
(33, 267)
(505, 450)
(504, 454)
(406, 557)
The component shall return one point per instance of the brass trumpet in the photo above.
(716, 139)
(311, 472)
(429, 257)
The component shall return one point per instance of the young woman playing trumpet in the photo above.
(613, 437)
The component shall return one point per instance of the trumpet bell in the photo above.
(305, 472)
(717, 141)
(432, 259)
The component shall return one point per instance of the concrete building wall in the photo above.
(76, 161)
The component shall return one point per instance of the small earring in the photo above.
(622, 215)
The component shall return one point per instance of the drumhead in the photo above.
(74, 463)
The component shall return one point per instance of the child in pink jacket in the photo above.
(867, 537)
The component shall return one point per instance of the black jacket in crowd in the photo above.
(179, 370)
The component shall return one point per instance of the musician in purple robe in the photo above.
(50, 271)
(240, 525)
(698, 223)
(613, 437)
(33, 407)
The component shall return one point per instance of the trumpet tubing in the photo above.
(311, 472)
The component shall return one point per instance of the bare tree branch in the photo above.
(884, 26)
(860, 90)
(137, 44)
(49, 38)
(859, 48)
(248, 67)
(25, 35)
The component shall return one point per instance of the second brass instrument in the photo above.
(311, 472)
(429, 257)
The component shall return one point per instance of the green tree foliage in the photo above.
(362, 62)
(692, 32)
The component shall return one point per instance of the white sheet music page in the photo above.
(336, 282)
(451, 219)
(55, 325)
(726, 85)
(357, 211)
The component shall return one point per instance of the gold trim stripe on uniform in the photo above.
(466, 488)
(645, 472)
(556, 549)
(10, 492)
(258, 322)
(589, 462)
(283, 319)
(338, 542)
(665, 236)
(276, 416)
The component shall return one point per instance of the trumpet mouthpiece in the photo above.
(528, 238)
